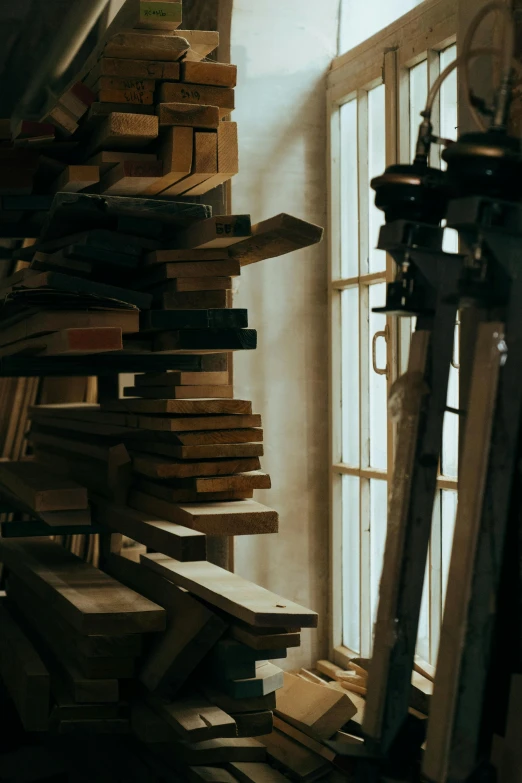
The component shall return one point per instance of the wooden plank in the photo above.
(191, 632)
(69, 342)
(133, 69)
(254, 724)
(180, 407)
(222, 97)
(76, 178)
(176, 154)
(118, 83)
(77, 100)
(227, 518)
(213, 74)
(195, 340)
(237, 706)
(269, 639)
(131, 178)
(194, 284)
(300, 762)
(191, 269)
(217, 751)
(221, 231)
(160, 468)
(178, 256)
(475, 461)
(268, 678)
(40, 489)
(121, 131)
(179, 393)
(202, 43)
(212, 451)
(186, 495)
(87, 598)
(204, 164)
(193, 720)
(313, 709)
(58, 263)
(208, 775)
(131, 97)
(239, 482)
(135, 46)
(198, 423)
(107, 160)
(231, 593)
(252, 772)
(209, 437)
(303, 739)
(83, 687)
(227, 159)
(232, 660)
(55, 320)
(188, 115)
(181, 378)
(275, 237)
(100, 110)
(23, 673)
(177, 541)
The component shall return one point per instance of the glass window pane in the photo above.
(378, 384)
(349, 192)
(418, 96)
(350, 402)
(450, 438)
(376, 166)
(449, 514)
(378, 523)
(351, 563)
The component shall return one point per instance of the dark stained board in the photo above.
(165, 320)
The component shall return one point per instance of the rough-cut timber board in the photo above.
(122, 131)
(155, 489)
(107, 160)
(179, 392)
(227, 159)
(194, 720)
(231, 518)
(268, 678)
(222, 97)
(212, 451)
(54, 321)
(40, 489)
(187, 284)
(188, 115)
(300, 762)
(217, 751)
(237, 706)
(87, 598)
(116, 83)
(275, 237)
(202, 43)
(161, 468)
(176, 154)
(173, 271)
(208, 775)
(277, 637)
(195, 423)
(131, 178)
(179, 378)
(221, 231)
(134, 69)
(192, 629)
(232, 594)
(131, 97)
(254, 724)
(204, 164)
(313, 709)
(75, 178)
(232, 660)
(136, 46)
(177, 256)
(250, 772)
(154, 532)
(23, 673)
(181, 407)
(214, 74)
(207, 438)
(195, 340)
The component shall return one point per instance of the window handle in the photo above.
(384, 335)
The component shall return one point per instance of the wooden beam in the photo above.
(209, 73)
(275, 237)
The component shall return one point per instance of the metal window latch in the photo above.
(380, 370)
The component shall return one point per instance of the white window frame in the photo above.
(385, 58)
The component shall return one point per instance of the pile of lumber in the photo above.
(175, 652)
(146, 115)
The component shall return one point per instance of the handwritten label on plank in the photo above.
(166, 12)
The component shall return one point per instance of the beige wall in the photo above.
(283, 50)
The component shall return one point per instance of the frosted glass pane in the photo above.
(378, 384)
(351, 563)
(418, 95)
(448, 99)
(349, 192)
(378, 523)
(449, 514)
(359, 20)
(450, 437)
(350, 403)
(376, 166)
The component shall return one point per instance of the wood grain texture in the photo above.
(177, 157)
(275, 237)
(136, 46)
(314, 709)
(162, 468)
(227, 159)
(41, 489)
(232, 594)
(188, 115)
(211, 73)
(181, 407)
(133, 69)
(86, 597)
